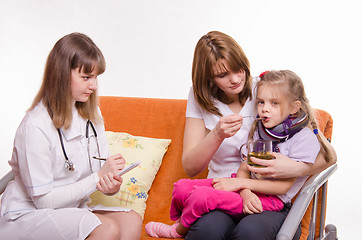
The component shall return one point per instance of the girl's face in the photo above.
(274, 106)
(229, 82)
(82, 84)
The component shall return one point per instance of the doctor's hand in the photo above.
(228, 126)
(113, 165)
(109, 184)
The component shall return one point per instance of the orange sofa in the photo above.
(165, 118)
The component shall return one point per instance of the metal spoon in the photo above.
(259, 118)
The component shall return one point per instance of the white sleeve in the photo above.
(32, 150)
(193, 109)
(304, 146)
(67, 195)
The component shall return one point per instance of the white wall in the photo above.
(149, 47)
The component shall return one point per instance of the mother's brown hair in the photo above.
(75, 50)
(210, 50)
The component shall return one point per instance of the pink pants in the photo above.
(193, 198)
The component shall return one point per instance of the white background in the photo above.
(149, 44)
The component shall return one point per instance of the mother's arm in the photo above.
(198, 146)
(201, 144)
(284, 167)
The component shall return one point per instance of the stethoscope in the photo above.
(68, 163)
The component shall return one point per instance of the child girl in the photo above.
(282, 105)
(53, 156)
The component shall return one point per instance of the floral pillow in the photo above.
(137, 182)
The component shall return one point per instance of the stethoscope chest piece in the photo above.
(69, 165)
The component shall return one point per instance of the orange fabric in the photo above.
(325, 125)
(157, 118)
(165, 118)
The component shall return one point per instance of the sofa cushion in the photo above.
(136, 183)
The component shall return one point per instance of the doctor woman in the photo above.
(54, 156)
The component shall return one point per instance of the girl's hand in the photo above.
(251, 202)
(227, 184)
(280, 167)
(113, 165)
(228, 126)
(109, 184)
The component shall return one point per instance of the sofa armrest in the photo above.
(302, 201)
(5, 180)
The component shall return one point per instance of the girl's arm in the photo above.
(284, 167)
(200, 144)
(273, 187)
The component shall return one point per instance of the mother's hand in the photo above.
(280, 167)
(228, 126)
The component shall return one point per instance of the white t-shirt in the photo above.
(302, 147)
(38, 161)
(226, 159)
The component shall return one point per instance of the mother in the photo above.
(217, 123)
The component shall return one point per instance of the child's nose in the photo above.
(266, 108)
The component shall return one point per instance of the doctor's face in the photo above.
(82, 84)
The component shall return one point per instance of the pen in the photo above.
(100, 158)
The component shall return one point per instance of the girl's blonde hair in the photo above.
(291, 86)
(75, 50)
(210, 50)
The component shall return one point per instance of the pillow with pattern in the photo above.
(137, 182)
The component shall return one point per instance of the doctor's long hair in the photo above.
(75, 50)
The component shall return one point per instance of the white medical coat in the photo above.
(38, 160)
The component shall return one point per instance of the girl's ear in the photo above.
(295, 107)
